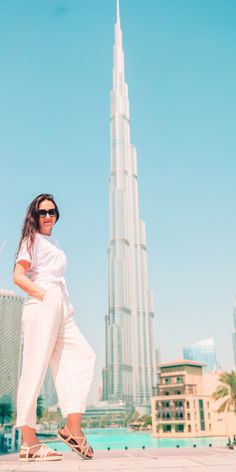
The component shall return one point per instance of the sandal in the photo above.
(44, 453)
(81, 449)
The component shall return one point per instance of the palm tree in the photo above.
(6, 410)
(226, 391)
(40, 407)
(146, 420)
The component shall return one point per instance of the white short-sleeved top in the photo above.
(48, 261)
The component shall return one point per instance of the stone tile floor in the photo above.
(133, 460)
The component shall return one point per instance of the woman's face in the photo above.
(46, 222)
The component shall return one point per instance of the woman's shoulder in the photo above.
(26, 242)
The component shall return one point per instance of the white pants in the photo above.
(51, 337)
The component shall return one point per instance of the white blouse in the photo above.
(48, 261)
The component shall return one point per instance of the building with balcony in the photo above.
(182, 403)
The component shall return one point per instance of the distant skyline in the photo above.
(56, 77)
(203, 351)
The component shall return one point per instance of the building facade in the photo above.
(203, 351)
(130, 370)
(105, 414)
(10, 343)
(182, 403)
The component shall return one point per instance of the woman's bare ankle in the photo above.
(29, 437)
(30, 443)
(76, 431)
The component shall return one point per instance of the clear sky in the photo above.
(56, 74)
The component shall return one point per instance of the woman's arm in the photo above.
(20, 279)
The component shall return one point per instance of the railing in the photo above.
(172, 381)
(169, 413)
(174, 389)
(170, 420)
(168, 409)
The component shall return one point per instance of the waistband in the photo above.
(46, 284)
(50, 282)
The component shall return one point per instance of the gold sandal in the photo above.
(44, 453)
(81, 449)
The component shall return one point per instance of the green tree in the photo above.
(146, 420)
(40, 408)
(227, 391)
(6, 409)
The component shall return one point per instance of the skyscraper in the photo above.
(203, 351)
(234, 333)
(10, 342)
(130, 371)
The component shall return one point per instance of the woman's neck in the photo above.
(45, 234)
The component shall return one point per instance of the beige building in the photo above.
(182, 405)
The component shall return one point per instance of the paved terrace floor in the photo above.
(133, 460)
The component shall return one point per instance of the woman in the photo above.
(51, 336)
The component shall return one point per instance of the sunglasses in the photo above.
(44, 213)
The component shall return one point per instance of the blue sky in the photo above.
(56, 74)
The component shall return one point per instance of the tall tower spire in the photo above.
(117, 11)
(118, 55)
(130, 371)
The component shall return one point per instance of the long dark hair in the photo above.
(31, 221)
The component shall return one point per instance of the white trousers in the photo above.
(51, 337)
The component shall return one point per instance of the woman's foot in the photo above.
(77, 441)
(38, 453)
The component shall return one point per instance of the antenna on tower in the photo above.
(118, 11)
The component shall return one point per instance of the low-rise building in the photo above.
(105, 413)
(10, 343)
(182, 403)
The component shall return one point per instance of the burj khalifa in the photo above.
(130, 371)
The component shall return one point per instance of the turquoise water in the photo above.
(120, 438)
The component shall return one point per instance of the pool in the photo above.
(120, 438)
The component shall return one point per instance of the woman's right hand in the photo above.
(42, 294)
(20, 279)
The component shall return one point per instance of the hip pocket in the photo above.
(53, 295)
(32, 301)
